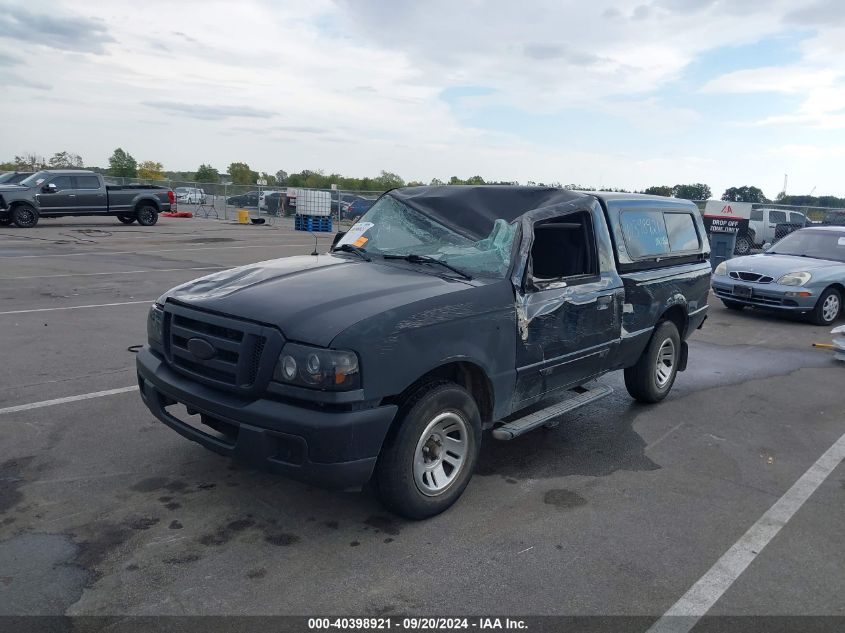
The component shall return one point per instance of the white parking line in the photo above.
(97, 305)
(84, 396)
(163, 250)
(685, 613)
(119, 272)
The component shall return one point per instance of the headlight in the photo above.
(721, 269)
(155, 324)
(795, 279)
(317, 368)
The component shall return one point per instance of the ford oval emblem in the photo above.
(201, 349)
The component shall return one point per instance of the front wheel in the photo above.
(126, 219)
(651, 379)
(828, 307)
(147, 215)
(25, 216)
(430, 454)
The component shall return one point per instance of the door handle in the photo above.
(71, 195)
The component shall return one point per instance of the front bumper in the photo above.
(331, 448)
(773, 296)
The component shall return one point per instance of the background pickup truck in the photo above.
(56, 193)
(443, 312)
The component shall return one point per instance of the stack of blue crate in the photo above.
(314, 223)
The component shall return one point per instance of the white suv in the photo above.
(764, 221)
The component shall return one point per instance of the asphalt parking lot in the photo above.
(619, 510)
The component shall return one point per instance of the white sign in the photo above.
(334, 187)
(355, 235)
(261, 182)
(722, 209)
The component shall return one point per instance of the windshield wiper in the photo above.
(350, 248)
(425, 259)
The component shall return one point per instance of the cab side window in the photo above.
(564, 249)
(62, 183)
(797, 218)
(87, 182)
(777, 217)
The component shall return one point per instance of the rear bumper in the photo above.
(333, 449)
(771, 296)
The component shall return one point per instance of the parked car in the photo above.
(13, 177)
(804, 273)
(763, 224)
(356, 208)
(249, 199)
(443, 311)
(835, 218)
(262, 198)
(57, 193)
(190, 195)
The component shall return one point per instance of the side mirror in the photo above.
(337, 237)
(51, 188)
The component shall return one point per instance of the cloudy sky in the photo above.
(626, 94)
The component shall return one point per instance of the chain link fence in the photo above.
(223, 201)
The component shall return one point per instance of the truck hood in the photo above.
(777, 265)
(7, 188)
(311, 299)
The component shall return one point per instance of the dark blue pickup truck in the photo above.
(443, 312)
(57, 193)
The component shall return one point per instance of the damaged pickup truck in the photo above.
(444, 312)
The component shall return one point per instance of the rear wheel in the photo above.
(147, 215)
(428, 458)
(24, 216)
(733, 305)
(828, 307)
(651, 379)
(126, 219)
(743, 245)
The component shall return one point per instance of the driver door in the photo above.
(63, 200)
(571, 309)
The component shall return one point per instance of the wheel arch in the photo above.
(677, 314)
(145, 201)
(466, 373)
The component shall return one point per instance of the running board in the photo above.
(539, 418)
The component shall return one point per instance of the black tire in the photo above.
(24, 216)
(645, 381)
(396, 477)
(147, 215)
(733, 305)
(743, 245)
(6, 221)
(126, 219)
(828, 307)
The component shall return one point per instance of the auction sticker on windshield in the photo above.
(355, 235)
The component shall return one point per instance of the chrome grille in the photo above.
(755, 278)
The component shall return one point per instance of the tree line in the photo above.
(123, 164)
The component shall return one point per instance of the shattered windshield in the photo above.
(393, 228)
